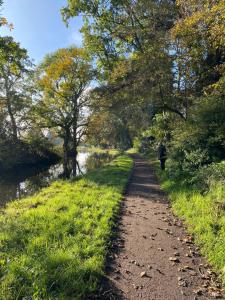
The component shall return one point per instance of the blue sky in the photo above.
(38, 26)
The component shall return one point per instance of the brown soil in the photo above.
(153, 257)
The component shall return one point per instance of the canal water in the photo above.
(29, 180)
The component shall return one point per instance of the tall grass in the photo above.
(53, 245)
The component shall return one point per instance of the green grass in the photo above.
(132, 151)
(204, 216)
(53, 245)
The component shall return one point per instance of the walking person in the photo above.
(162, 156)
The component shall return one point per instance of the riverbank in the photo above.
(202, 213)
(27, 180)
(54, 244)
(15, 155)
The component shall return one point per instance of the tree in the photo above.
(63, 79)
(199, 33)
(129, 42)
(15, 67)
(131, 34)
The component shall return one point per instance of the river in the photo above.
(27, 181)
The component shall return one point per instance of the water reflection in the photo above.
(27, 181)
(96, 160)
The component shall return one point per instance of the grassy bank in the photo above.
(111, 152)
(204, 215)
(53, 245)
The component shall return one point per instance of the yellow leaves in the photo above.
(62, 75)
(208, 22)
(120, 71)
(216, 88)
(4, 22)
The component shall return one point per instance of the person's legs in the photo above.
(162, 164)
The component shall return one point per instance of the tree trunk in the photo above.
(12, 118)
(66, 153)
(74, 163)
(74, 138)
(75, 152)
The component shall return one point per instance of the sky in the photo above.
(38, 26)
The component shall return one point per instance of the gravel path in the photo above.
(153, 257)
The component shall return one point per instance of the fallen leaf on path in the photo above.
(143, 274)
(199, 291)
(187, 240)
(174, 259)
(205, 277)
(160, 249)
(183, 283)
(160, 271)
(117, 278)
(205, 284)
(215, 295)
(188, 255)
(193, 273)
(135, 286)
(154, 234)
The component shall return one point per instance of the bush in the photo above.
(209, 176)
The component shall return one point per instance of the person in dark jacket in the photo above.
(162, 156)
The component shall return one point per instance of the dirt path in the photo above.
(153, 257)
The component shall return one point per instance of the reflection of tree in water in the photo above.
(20, 183)
(88, 163)
(96, 160)
(24, 182)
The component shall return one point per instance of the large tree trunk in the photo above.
(12, 118)
(74, 136)
(66, 153)
(75, 152)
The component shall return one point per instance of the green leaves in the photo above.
(15, 68)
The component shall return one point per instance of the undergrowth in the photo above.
(53, 245)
